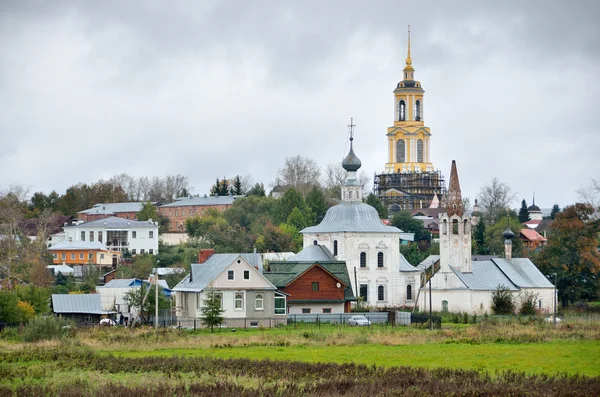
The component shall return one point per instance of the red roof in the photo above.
(532, 235)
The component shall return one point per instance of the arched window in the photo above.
(401, 111)
(420, 151)
(445, 227)
(315, 242)
(418, 110)
(444, 306)
(363, 259)
(258, 302)
(465, 226)
(380, 259)
(335, 249)
(239, 301)
(409, 292)
(454, 226)
(400, 151)
(380, 293)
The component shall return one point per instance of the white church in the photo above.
(460, 284)
(354, 233)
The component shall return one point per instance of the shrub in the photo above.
(503, 301)
(528, 301)
(465, 319)
(46, 328)
(11, 334)
(26, 311)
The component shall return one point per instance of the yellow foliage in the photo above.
(26, 311)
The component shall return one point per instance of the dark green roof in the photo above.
(281, 274)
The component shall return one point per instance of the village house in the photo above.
(81, 253)
(314, 281)
(186, 207)
(84, 309)
(246, 296)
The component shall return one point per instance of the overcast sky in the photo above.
(90, 89)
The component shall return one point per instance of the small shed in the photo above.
(84, 309)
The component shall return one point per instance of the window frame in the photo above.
(380, 293)
(259, 298)
(151, 234)
(280, 310)
(133, 234)
(236, 300)
(380, 260)
(335, 247)
(409, 292)
(246, 272)
(363, 259)
(360, 292)
(306, 310)
(326, 310)
(315, 286)
(230, 275)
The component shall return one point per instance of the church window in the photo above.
(380, 259)
(315, 242)
(420, 151)
(409, 292)
(335, 247)
(349, 194)
(380, 293)
(539, 304)
(444, 306)
(363, 259)
(401, 111)
(465, 226)
(445, 227)
(363, 292)
(400, 151)
(418, 110)
(454, 226)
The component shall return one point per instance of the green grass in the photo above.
(558, 356)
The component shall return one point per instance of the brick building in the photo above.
(186, 207)
(120, 210)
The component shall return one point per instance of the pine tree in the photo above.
(212, 313)
(316, 201)
(216, 188)
(257, 190)
(237, 186)
(555, 210)
(224, 187)
(479, 237)
(524, 212)
(374, 201)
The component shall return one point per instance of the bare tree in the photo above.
(494, 197)
(13, 205)
(590, 194)
(299, 172)
(335, 175)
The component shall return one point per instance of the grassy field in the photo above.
(485, 359)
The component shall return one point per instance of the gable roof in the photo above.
(201, 201)
(532, 235)
(485, 276)
(132, 282)
(77, 303)
(282, 274)
(111, 208)
(313, 253)
(205, 273)
(523, 273)
(116, 222)
(78, 245)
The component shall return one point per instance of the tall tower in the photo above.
(408, 138)
(351, 188)
(455, 230)
(409, 180)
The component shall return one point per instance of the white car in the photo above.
(108, 321)
(361, 321)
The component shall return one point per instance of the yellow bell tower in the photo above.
(408, 138)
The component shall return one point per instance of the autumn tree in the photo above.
(494, 197)
(572, 253)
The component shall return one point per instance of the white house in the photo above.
(460, 284)
(247, 297)
(354, 233)
(137, 237)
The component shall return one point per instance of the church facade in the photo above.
(354, 233)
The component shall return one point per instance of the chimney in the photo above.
(259, 260)
(204, 254)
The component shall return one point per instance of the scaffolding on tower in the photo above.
(409, 190)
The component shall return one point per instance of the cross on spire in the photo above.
(351, 126)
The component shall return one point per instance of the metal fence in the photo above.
(241, 323)
(339, 318)
(425, 319)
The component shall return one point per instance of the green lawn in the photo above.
(558, 356)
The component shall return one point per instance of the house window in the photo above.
(133, 251)
(102, 256)
(100, 236)
(409, 292)
(444, 306)
(246, 274)
(315, 286)
(380, 293)
(305, 310)
(363, 259)
(420, 151)
(82, 236)
(380, 259)
(280, 304)
(81, 256)
(133, 234)
(400, 151)
(258, 302)
(151, 234)
(327, 310)
(253, 324)
(142, 251)
(63, 256)
(72, 256)
(335, 247)
(91, 236)
(363, 292)
(230, 275)
(90, 255)
(54, 256)
(239, 301)
(219, 298)
(151, 251)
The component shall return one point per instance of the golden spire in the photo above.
(408, 59)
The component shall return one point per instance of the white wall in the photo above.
(141, 242)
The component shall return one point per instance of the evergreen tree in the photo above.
(479, 237)
(555, 210)
(316, 201)
(216, 188)
(212, 313)
(257, 190)
(404, 221)
(524, 212)
(374, 201)
(297, 219)
(413, 254)
(224, 187)
(285, 205)
(236, 189)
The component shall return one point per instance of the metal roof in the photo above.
(204, 273)
(78, 245)
(202, 201)
(77, 303)
(407, 267)
(523, 273)
(116, 222)
(64, 269)
(351, 217)
(313, 253)
(111, 208)
(123, 283)
(485, 276)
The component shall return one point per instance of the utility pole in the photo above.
(156, 297)
(554, 300)
(430, 299)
